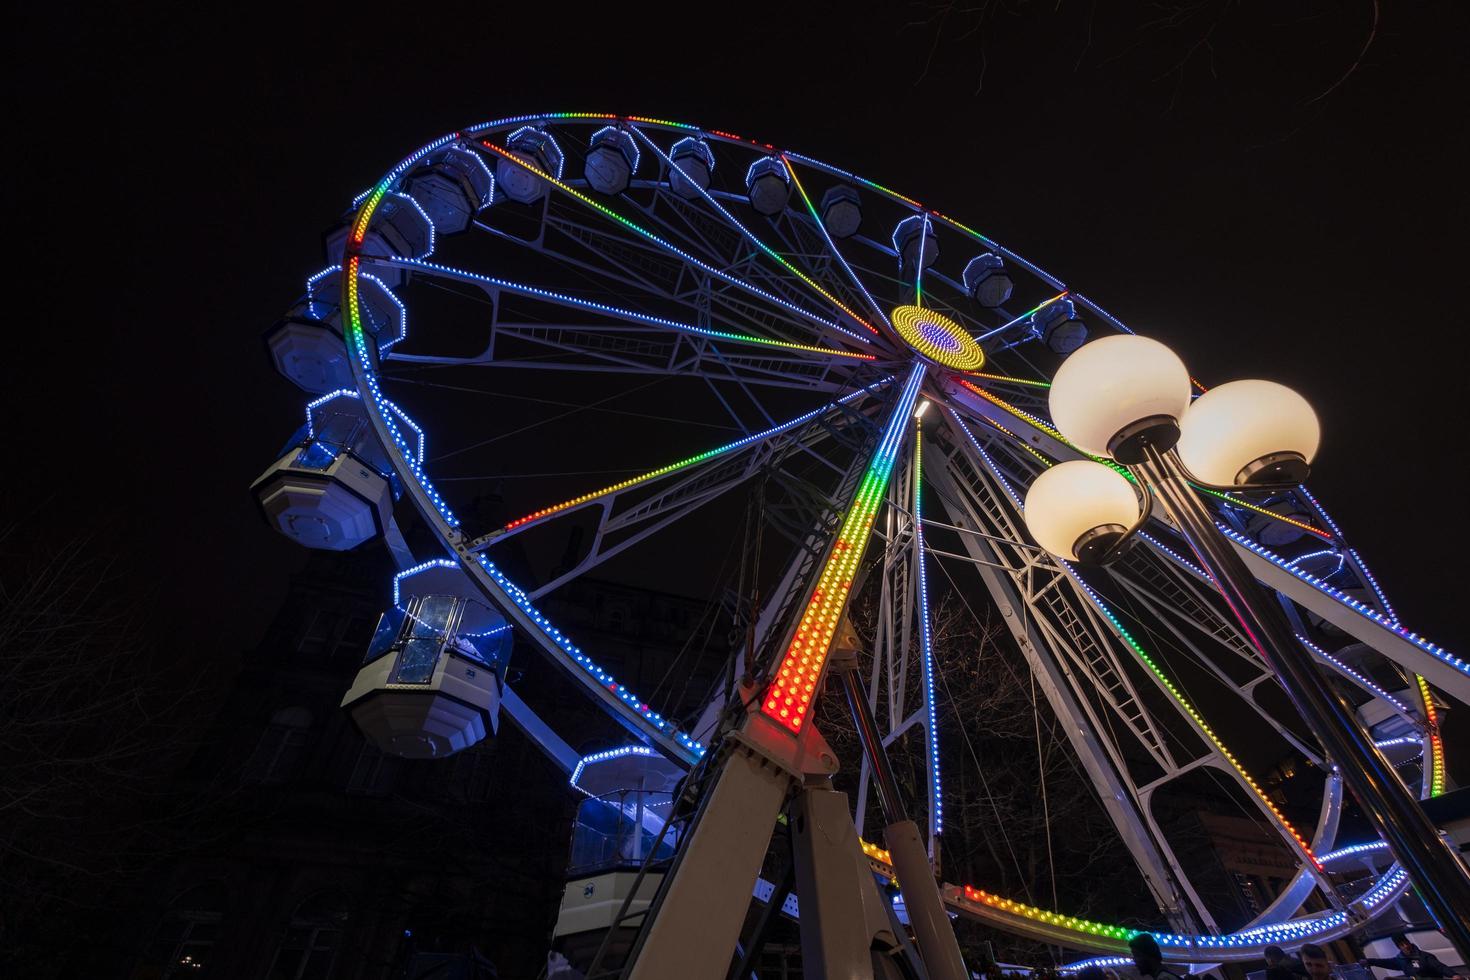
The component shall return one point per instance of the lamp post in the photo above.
(1128, 398)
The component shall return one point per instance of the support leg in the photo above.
(695, 921)
(844, 927)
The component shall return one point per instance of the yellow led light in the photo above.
(938, 338)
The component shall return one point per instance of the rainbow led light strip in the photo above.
(1039, 306)
(1237, 502)
(1199, 720)
(831, 245)
(1010, 380)
(937, 337)
(1431, 721)
(790, 694)
(1018, 413)
(750, 236)
(358, 348)
(1147, 661)
(668, 246)
(620, 313)
(926, 646)
(686, 463)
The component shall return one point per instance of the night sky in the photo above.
(1233, 179)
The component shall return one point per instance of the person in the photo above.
(1411, 961)
(1279, 966)
(1314, 959)
(1148, 959)
(1090, 973)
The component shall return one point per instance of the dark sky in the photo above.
(1219, 175)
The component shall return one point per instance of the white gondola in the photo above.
(915, 242)
(433, 676)
(842, 211)
(534, 147)
(693, 163)
(330, 488)
(987, 281)
(768, 185)
(611, 160)
(452, 189)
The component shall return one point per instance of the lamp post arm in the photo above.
(1435, 869)
(1116, 549)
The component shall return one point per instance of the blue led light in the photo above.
(588, 304)
(422, 566)
(1313, 554)
(709, 199)
(1364, 681)
(931, 725)
(321, 400)
(560, 158)
(1364, 610)
(315, 280)
(690, 146)
(618, 144)
(617, 753)
(1389, 743)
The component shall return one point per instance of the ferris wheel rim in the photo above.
(427, 500)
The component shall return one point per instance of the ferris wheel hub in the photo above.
(937, 338)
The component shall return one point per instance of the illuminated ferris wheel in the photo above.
(886, 372)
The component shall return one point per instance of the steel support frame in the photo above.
(1174, 895)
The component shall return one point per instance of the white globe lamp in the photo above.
(1249, 432)
(1080, 509)
(1118, 394)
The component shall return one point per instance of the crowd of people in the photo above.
(1311, 962)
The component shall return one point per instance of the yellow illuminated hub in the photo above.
(938, 338)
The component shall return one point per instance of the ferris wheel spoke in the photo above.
(1106, 623)
(751, 237)
(762, 446)
(735, 281)
(494, 286)
(831, 245)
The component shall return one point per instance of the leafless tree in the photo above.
(92, 714)
(1021, 818)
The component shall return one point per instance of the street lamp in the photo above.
(1127, 397)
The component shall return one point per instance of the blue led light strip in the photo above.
(537, 516)
(1362, 609)
(617, 753)
(383, 346)
(831, 245)
(318, 402)
(736, 281)
(631, 315)
(750, 237)
(1364, 681)
(931, 724)
(663, 725)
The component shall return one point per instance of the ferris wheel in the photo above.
(885, 368)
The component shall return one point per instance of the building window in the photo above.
(353, 642)
(316, 639)
(308, 951)
(282, 747)
(372, 771)
(184, 946)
